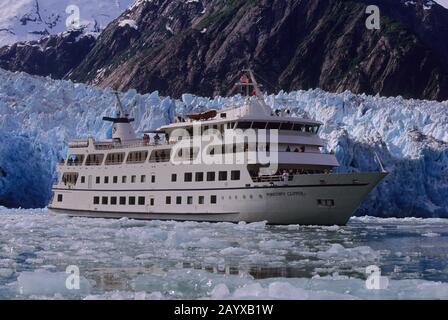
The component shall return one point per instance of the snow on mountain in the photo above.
(22, 20)
(443, 3)
(38, 117)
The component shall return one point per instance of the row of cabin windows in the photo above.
(235, 175)
(287, 126)
(141, 201)
(118, 158)
(141, 156)
(123, 179)
(201, 200)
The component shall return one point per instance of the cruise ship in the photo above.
(243, 163)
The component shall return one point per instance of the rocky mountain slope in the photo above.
(199, 46)
(54, 55)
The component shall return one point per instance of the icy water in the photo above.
(126, 259)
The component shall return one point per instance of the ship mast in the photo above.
(250, 88)
(118, 105)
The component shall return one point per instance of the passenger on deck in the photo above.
(285, 176)
(157, 139)
(146, 139)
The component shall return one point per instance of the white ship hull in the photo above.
(244, 163)
(295, 202)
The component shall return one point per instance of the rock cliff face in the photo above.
(53, 56)
(199, 46)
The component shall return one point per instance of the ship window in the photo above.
(189, 200)
(104, 200)
(210, 176)
(113, 200)
(201, 200)
(223, 115)
(297, 127)
(133, 179)
(75, 160)
(94, 159)
(199, 176)
(222, 175)
(143, 179)
(188, 177)
(213, 199)
(123, 179)
(115, 158)
(168, 200)
(106, 179)
(160, 156)
(235, 175)
(96, 200)
(59, 197)
(83, 179)
(141, 201)
(97, 179)
(122, 201)
(70, 178)
(173, 177)
(115, 179)
(259, 125)
(287, 126)
(273, 125)
(243, 125)
(151, 201)
(132, 201)
(178, 200)
(325, 203)
(137, 157)
(153, 179)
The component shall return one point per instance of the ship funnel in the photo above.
(122, 129)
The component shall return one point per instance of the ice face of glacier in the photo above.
(39, 116)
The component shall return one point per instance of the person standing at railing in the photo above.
(146, 139)
(285, 176)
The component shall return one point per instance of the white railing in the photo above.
(127, 144)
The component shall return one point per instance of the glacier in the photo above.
(39, 116)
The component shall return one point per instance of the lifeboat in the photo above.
(203, 115)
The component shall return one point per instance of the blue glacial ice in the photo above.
(39, 116)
